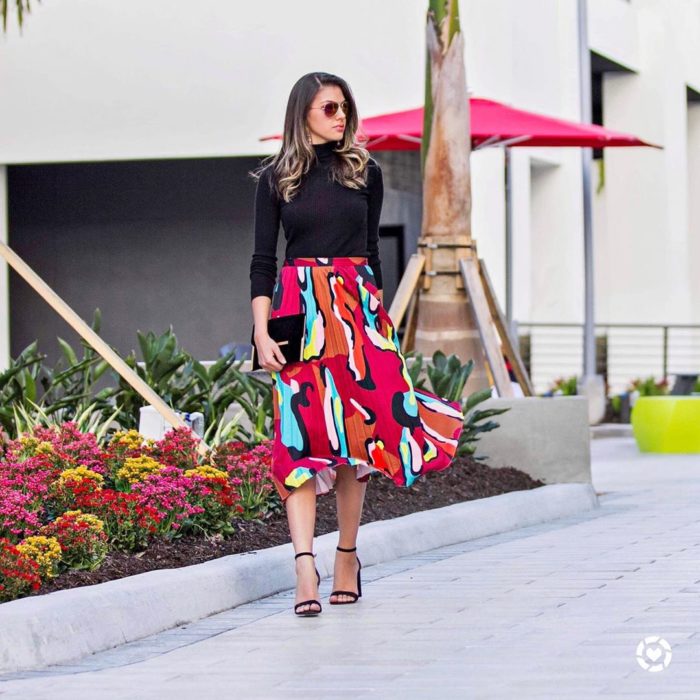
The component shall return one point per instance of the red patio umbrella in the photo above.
(492, 123)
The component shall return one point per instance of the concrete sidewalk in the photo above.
(551, 611)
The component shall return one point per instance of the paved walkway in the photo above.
(552, 611)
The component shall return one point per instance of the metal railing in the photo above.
(624, 351)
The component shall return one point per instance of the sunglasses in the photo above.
(330, 109)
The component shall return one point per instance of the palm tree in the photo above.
(444, 318)
(22, 7)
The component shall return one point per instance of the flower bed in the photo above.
(66, 502)
(74, 514)
(466, 479)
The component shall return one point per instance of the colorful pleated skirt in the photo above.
(351, 400)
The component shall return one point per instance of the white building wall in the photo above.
(101, 80)
(694, 207)
(647, 190)
(613, 30)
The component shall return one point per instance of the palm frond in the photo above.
(22, 7)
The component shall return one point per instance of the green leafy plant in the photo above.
(17, 384)
(254, 395)
(415, 368)
(70, 393)
(67, 390)
(616, 404)
(186, 385)
(167, 369)
(649, 386)
(448, 377)
(477, 421)
(564, 386)
(224, 430)
(91, 420)
(32, 394)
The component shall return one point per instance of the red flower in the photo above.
(19, 575)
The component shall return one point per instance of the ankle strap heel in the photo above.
(309, 612)
(351, 594)
(296, 556)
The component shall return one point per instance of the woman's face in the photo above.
(321, 127)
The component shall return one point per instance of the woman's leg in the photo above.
(301, 515)
(350, 496)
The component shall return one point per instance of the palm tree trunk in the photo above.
(445, 319)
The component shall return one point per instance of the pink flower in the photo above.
(17, 517)
(178, 448)
(167, 491)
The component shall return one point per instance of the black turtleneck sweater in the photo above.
(323, 219)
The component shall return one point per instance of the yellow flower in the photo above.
(79, 474)
(28, 441)
(207, 472)
(92, 521)
(45, 551)
(30, 446)
(138, 468)
(131, 439)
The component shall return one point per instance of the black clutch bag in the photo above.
(289, 332)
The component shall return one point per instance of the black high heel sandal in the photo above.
(310, 612)
(350, 593)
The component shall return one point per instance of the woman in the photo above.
(349, 407)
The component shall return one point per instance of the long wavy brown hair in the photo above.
(295, 157)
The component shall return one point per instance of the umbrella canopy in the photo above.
(492, 123)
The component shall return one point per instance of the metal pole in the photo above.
(589, 362)
(508, 177)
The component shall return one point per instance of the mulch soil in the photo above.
(465, 480)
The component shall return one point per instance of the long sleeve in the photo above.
(375, 186)
(263, 264)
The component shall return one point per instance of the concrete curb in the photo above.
(67, 625)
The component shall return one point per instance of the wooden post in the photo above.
(407, 288)
(409, 335)
(510, 348)
(489, 340)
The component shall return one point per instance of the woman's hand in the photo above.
(269, 353)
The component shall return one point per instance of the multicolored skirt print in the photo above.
(350, 401)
